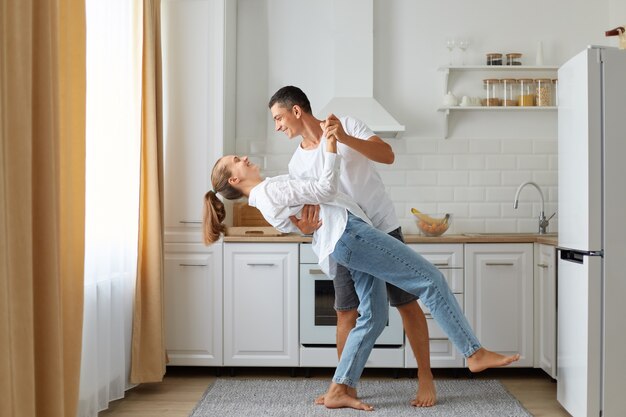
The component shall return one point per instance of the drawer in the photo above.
(443, 354)
(307, 256)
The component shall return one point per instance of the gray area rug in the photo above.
(229, 397)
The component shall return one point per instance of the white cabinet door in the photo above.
(499, 297)
(449, 259)
(545, 308)
(194, 95)
(193, 304)
(261, 304)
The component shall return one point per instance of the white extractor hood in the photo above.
(353, 35)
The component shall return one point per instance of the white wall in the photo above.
(474, 173)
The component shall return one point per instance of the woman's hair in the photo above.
(214, 212)
(290, 96)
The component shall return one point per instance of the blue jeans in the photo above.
(368, 252)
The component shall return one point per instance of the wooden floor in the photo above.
(182, 387)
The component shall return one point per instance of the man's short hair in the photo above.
(290, 96)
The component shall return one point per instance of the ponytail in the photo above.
(214, 212)
(212, 218)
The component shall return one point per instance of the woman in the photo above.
(347, 237)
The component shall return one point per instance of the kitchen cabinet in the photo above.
(193, 304)
(449, 259)
(492, 71)
(197, 45)
(261, 304)
(545, 308)
(196, 98)
(499, 297)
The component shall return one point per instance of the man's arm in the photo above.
(374, 148)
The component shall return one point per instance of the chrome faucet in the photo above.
(543, 222)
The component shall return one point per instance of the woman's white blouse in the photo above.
(279, 197)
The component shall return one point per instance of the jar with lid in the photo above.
(543, 91)
(510, 92)
(492, 92)
(514, 59)
(555, 92)
(494, 59)
(526, 92)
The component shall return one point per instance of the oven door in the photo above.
(318, 320)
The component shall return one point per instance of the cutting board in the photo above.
(245, 215)
(252, 231)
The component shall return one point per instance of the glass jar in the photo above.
(543, 92)
(492, 92)
(510, 92)
(555, 92)
(514, 59)
(494, 59)
(526, 92)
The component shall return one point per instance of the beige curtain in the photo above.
(148, 346)
(42, 153)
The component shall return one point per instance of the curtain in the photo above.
(42, 148)
(113, 132)
(148, 348)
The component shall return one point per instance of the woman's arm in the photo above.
(292, 192)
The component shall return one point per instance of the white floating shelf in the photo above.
(498, 67)
(498, 108)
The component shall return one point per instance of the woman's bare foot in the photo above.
(483, 359)
(351, 392)
(337, 397)
(426, 393)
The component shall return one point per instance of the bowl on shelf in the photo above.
(432, 225)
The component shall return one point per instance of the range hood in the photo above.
(353, 36)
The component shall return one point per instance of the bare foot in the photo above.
(337, 397)
(483, 359)
(426, 393)
(350, 391)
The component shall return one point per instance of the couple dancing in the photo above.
(334, 192)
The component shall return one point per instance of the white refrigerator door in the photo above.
(579, 335)
(614, 245)
(580, 152)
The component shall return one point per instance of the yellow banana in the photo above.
(429, 219)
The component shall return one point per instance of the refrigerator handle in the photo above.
(577, 256)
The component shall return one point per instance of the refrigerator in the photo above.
(591, 270)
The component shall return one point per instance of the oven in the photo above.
(318, 320)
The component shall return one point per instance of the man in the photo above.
(358, 146)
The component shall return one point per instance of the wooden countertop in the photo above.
(549, 239)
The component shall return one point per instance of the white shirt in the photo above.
(282, 196)
(359, 178)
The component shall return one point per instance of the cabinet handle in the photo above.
(316, 272)
(190, 222)
(499, 263)
(440, 263)
(192, 264)
(261, 264)
(542, 265)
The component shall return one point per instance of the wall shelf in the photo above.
(447, 69)
(502, 69)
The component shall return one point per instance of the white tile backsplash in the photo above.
(474, 179)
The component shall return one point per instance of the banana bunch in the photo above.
(428, 219)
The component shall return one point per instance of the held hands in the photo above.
(333, 129)
(309, 221)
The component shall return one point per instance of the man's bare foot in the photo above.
(351, 392)
(337, 397)
(426, 393)
(483, 359)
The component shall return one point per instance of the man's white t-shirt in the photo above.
(359, 178)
